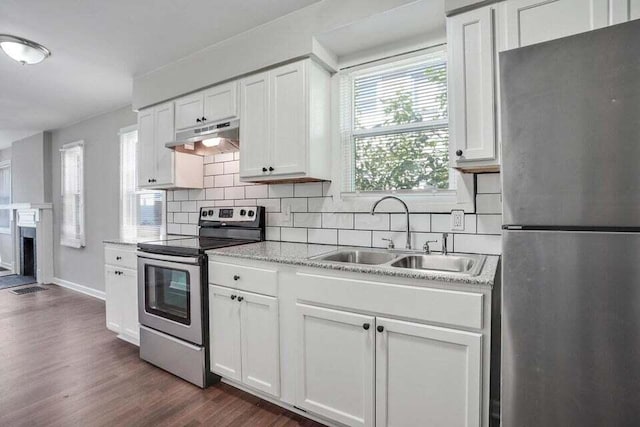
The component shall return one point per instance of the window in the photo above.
(5, 197)
(142, 213)
(72, 185)
(395, 131)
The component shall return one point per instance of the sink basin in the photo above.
(359, 257)
(467, 264)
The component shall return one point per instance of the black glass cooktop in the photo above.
(188, 246)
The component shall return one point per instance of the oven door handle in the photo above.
(169, 258)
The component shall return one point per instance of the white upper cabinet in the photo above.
(158, 166)
(208, 106)
(221, 102)
(472, 85)
(286, 123)
(427, 375)
(528, 22)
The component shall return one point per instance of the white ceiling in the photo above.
(98, 46)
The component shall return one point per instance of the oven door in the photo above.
(170, 295)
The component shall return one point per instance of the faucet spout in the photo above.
(406, 210)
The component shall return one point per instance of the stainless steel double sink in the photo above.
(469, 265)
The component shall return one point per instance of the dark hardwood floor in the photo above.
(60, 366)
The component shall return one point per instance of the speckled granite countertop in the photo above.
(302, 254)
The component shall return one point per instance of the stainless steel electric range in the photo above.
(172, 286)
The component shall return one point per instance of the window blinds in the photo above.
(141, 212)
(72, 231)
(395, 125)
(5, 198)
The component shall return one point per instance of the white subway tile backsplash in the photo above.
(307, 220)
(173, 228)
(379, 221)
(441, 223)
(234, 193)
(293, 234)
(224, 157)
(236, 155)
(280, 190)
(245, 202)
(294, 205)
(337, 220)
(208, 181)
(197, 194)
(189, 206)
(214, 193)
(169, 196)
(272, 233)
(208, 159)
(257, 192)
(214, 169)
(490, 224)
(189, 229)
(321, 204)
(489, 204)
(489, 183)
(478, 243)
(223, 181)
(270, 205)
(173, 206)
(418, 222)
(231, 167)
(307, 189)
(278, 219)
(354, 237)
(179, 195)
(194, 217)
(322, 236)
(181, 218)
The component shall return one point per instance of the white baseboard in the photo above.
(80, 288)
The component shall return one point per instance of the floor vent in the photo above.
(27, 290)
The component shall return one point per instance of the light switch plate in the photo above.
(457, 220)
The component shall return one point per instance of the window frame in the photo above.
(121, 219)
(418, 201)
(6, 164)
(78, 241)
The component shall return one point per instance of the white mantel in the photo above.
(40, 217)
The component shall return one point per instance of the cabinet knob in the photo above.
(458, 152)
(198, 120)
(118, 258)
(204, 119)
(366, 326)
(264, 169)
(270, 168)
(149, 180)
(236, 277)
(240, 299)
(233, 297)
(380, 328)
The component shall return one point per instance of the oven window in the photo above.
(167, 293)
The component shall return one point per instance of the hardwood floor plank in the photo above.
(60, 366)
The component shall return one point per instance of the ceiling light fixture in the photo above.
(22, 50)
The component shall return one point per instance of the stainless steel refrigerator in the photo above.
(571, 235)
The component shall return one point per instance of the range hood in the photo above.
(210, 139)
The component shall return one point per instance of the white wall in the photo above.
(31, 169)
(85, 266)
(313, 218)
(6, 240)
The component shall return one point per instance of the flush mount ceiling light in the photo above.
(22, 50)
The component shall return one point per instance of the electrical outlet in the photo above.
(457, 220)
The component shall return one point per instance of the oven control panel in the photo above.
(230, 214)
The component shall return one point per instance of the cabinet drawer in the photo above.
(258, 280)
(120, 257)
(442, 306)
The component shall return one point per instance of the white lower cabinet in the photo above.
(427, 375)
(360, 370)
(336, 362)
(121, 302)
(244, 338)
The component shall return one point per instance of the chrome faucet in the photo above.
(445, 250)
(406, 209)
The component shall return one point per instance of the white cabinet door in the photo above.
(164, 132)
(128, 281)
(254, 126)
(189, 111)
(534, 21)
(427, 375)
(335, 351)
(624, 10)
(114, 298)
(224, 332)
(472, 79)
(288, 106)
(221, 102)
(260, 342)
(146, 148)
